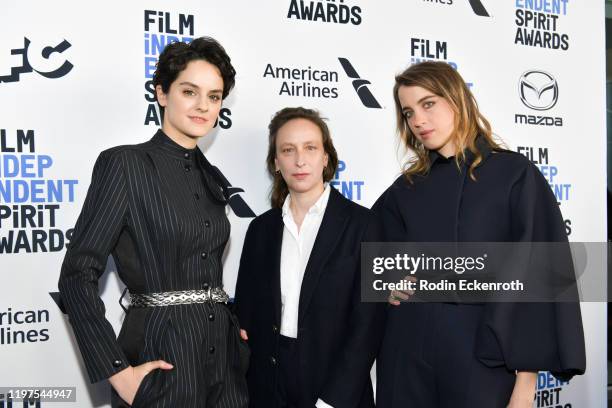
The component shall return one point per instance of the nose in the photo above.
(203, 103)
(417, 119)
(299, 158)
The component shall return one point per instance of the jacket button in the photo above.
(187, 167)
(274, 329)
(207, 224)
(205, 286)
(273, 360)
(204, 255)
(117, 363)
(211, 317)
(211, 349)
(186, 155)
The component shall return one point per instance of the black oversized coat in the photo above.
(510, 201)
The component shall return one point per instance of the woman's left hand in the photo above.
(523, 393)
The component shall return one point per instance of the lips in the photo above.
(425, 133)
(198, 119)
(300, 176)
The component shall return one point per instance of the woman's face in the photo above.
(429, 117)
(300, 155)
(193, 101)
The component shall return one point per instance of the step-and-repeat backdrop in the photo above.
(75, 79)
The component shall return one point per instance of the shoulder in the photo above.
(265, 220)
(510, 166)
(509, 160)
(400, 185)
(126, 151)
(356, 212)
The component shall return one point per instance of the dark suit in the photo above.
(338, 336)
(157, 208)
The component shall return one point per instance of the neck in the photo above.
(447, 150)
(180, 138)
(301, 202)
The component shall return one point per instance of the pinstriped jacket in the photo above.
(158, 211)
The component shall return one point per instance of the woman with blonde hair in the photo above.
(462, 186)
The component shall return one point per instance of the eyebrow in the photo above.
(191, 84)
(419, 101)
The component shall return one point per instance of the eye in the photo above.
(188, 92)
(215, 98)
(287, 149)
(428, 104)
(407, 114)
(311, 147)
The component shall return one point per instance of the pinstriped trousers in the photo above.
(202, 342)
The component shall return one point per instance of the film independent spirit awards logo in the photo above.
(538, 90)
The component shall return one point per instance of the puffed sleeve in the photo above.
(534, 336)
(95, 234)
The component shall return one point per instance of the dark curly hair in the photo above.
(279, 186)
(175, 57)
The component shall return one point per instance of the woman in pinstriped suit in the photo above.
(159, 209)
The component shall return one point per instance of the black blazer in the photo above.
(338, 334)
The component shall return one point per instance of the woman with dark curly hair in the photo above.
(159, 209)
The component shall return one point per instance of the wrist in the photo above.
(119, 376)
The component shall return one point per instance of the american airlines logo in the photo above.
(365, 95)
(538, 90)
(478, 8)
(232, 195)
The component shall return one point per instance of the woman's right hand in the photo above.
(126, 382)
(244, 335)
(398, 296)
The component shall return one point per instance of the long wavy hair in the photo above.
(280, 190)
(444, 81)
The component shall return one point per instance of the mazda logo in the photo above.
(538, 90)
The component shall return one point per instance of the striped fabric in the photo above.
(161, 215)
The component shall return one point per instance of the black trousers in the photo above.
(288, 390)
(427, 360)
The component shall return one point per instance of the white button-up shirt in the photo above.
(295, 252)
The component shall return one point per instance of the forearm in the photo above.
(524, 389)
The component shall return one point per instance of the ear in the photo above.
(162, 98)
(276, 164)
(325, 160)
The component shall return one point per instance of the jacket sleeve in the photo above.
(95, 234)
(242, 306)
(350, 373)
(543, 336)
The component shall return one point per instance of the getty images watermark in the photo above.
(478, 272)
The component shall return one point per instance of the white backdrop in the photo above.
(91, 94)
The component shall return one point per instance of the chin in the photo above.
(300, 188)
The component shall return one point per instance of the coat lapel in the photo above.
(333, 224)
(276, 242)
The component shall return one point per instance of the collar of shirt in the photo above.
(316, 208)
(172, 148)
(481, 144)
